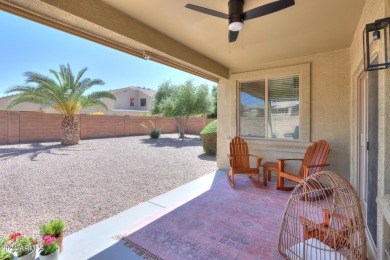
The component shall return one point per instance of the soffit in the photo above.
(309, 27)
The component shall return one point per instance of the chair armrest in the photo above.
(316, 165)
(290, 159)
(281, 162)
(258, 157)
(258, 164)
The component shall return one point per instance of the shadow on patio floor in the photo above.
(221, 223)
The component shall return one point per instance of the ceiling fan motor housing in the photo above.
(236, 8)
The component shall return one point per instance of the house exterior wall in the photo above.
(122, 103)
(148, 101)
(329, 112)
(4, 101)
(123, 99)
(373, 10)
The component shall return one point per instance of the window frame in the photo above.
(304, 71)
(266, 109)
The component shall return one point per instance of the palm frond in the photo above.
(30, 99)
(101, 94)
(64, 92)
(90, 103)
(80, 74)
(86, 84)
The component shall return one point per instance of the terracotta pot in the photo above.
(53, 256)
(59, 241)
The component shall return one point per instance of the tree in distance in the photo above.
(182, 101)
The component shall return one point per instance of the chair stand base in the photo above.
(230, 177)
(285, 188)
(255, 182)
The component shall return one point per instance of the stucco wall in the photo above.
(123, 99)
(4, 101)
(148, 101)
(373, 10)
(330, 112)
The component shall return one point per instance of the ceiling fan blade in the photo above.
(207, 11)
(267, 9)
(233, 35)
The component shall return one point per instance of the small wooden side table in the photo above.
(268, 167)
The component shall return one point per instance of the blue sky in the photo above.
(29, 46)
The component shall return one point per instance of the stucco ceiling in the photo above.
(308, 27)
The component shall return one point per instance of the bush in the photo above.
(155, 133)
(209, 138)
(53, 228)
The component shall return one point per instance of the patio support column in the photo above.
(227, 127)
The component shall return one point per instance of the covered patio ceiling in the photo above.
(306, 28)
(199, 42)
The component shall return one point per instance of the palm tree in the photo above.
(64, 94)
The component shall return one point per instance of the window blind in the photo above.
(283, 107)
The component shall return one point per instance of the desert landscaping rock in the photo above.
(92, 181)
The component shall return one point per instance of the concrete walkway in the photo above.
(98, 242)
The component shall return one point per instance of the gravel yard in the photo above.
(92, 181)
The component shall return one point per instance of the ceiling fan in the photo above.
(237, 16)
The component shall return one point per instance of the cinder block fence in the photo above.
(29, 127)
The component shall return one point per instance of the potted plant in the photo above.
(54, 228)
(49, 249)
(23, 247)
(4, 255)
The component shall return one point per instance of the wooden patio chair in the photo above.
(314, 161)
(239, 161)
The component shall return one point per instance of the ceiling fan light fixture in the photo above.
(236, 26)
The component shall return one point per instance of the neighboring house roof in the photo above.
(9, 96)
(146, 91)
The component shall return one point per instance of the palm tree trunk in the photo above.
(70, 130)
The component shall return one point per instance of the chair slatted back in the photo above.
(240, 153)
(316, 154)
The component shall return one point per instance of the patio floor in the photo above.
(98, 241)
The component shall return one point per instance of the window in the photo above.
(132, 102)
(143, 102)
(269, 108)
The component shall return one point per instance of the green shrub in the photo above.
(53, 228)
(155, 133)
(209, 138)
(6, 255)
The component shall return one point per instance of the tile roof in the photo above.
(147, 91)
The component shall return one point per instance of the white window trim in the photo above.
(303, 70)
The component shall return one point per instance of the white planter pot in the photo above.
(53, 256)
(30, 256)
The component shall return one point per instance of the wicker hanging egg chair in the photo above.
(323, 220)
